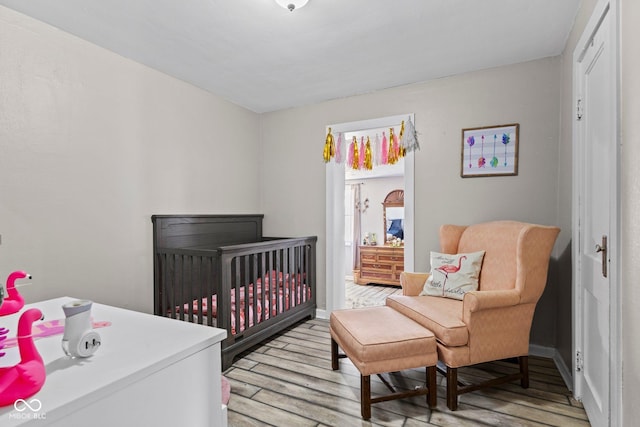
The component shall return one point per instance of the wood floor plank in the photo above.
(474, 416)
(533, 402)
(522, 412)
(322, 403)
(241, 388)
(294, 355)
(328, 415)
(267, 414)
(284, 339)
(288, 381)
(237, 419)
(309, 334)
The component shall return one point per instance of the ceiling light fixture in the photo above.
(292, 4)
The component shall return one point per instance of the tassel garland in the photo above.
(329, 148)
(393, 148)
(385, 152)
(410, 138)
(356, 159)
(339, 149)
(380, 151)
(350, 155)
(368, 161)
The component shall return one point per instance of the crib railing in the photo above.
(185, 282)
(279, 274)
(266, 281)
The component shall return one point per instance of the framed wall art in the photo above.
(490, 151)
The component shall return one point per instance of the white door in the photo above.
(596, 138)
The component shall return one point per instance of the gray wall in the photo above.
(92, 145)
(527, 93)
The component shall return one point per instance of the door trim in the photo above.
(335, 252)
(615, 317)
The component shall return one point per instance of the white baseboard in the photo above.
(565, 372)
(552, 353)
(225, 416)
(321, 314)
(542, 351)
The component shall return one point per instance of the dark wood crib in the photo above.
(218, 270)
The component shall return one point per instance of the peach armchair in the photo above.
(493, 322)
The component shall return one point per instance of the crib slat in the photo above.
(214, 285)
(240, 305)
(287, 283)
(196, 288)
(255, 274)
(278, 268)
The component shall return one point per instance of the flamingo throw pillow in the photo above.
(453, 275)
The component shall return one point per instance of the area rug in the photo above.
(368, 295)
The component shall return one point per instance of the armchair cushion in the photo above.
(442, 316)
(452, 276)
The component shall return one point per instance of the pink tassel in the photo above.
(385, 153)
(350, 155)
(339, 149)
(361, 159)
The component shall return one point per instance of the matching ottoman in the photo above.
(379, 340)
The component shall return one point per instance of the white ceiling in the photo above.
(263, 57)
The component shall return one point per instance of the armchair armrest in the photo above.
(412, 283)
(482, 300)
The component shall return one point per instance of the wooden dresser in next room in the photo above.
(380, 264)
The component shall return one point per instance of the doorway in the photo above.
(335, 209)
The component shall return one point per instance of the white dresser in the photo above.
(149, 371)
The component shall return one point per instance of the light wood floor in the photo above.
(288, 381)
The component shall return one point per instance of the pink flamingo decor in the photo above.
(26, 378)
(449, 268)
(14, 301)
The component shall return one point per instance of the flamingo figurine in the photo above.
(27, 377)
(13, 302)
(450, 268)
